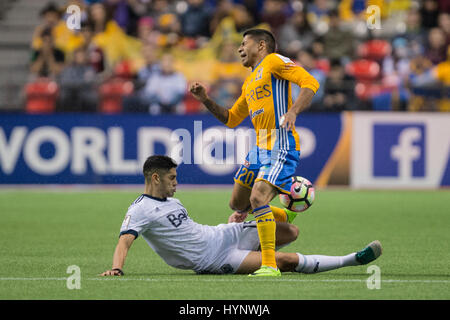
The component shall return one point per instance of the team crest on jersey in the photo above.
(259, 74)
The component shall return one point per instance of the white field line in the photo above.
(438, 281)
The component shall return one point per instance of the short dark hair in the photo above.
(157, 163)
(50, 7)
(263, 35)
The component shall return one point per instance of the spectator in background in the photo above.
(144, 30)
(273, 13)
(48, 61)
(127, 13)
(442, 74)
(414, 30)
(139, 102)
(151, 67)
(318, 15)
(223, 9)
(50, 16)
(99, 17)
(295, 35)
(438, 79)
(429, 13)
(444, 24)
(338, 43)
(227, 75)
(243, 20)
(168, 31)
(77, 85)
(437, 46)
(165, 90)
(339, 89)
(196, 20)
(117, 46)
(306, 59)
(94, 53)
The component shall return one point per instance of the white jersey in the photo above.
(177, 239)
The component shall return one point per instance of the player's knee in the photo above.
(286, 262)
(238, 206)
(257, 201)
(293, 232)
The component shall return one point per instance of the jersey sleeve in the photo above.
(285, 68)
(135, 222)
(238, 112)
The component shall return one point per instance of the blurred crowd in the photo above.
(140, 55)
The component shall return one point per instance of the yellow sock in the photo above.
(279, 214)
(265, 223)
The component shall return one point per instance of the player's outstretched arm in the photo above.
(120, 254)
(199, 93)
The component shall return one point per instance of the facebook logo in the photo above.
(399, 150)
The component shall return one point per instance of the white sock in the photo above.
(318, 263)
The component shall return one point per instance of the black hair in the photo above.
(263, 35)
(157, 163)
(50, 7)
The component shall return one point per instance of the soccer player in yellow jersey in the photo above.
(270, 165)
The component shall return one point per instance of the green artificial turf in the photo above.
(43, 232)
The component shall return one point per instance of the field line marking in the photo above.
(225, 280)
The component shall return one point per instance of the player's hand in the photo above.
(198, 91)
(237, 217)
(287, 121)
(114, 272)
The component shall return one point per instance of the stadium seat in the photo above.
(374, 49)
(41, 96)
(363, 69)
(366, 90)
(111, 94)
(191, 105)
(124, 69)
(323, 64)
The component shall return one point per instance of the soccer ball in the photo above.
(301, 196)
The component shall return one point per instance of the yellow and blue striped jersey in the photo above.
(266, 97)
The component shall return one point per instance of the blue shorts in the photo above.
(275, 167)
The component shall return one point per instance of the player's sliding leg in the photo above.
(262, 194)
(320, 263)
(297, 262)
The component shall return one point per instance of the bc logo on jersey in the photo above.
(399, 150)
(177, 220)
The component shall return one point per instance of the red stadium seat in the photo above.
(323, 64)
(41, 96)
(366, 90)
(111, 94)
(363, 69)
(191, 104)
(374, 49)
(123, 69)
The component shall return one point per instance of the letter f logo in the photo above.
(405, 152)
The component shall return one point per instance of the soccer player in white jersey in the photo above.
(226, 248)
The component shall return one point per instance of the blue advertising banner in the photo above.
(111, 149)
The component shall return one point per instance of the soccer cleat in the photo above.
(266, 271)
(291, 215)
(369, 253)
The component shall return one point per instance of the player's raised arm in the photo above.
(199, 93)
(120, 254)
